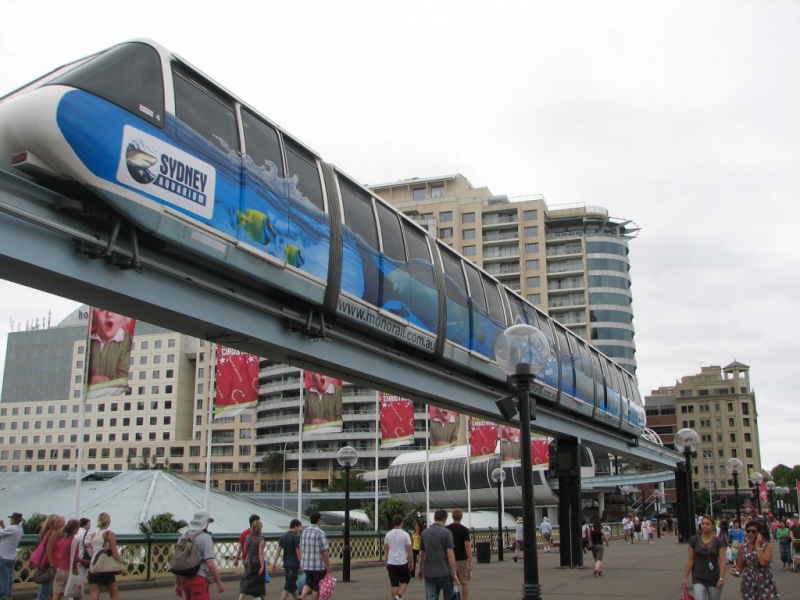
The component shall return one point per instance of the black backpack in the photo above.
(185, 561)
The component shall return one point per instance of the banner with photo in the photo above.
(237, 382)
(397, 421)
(482, 439)
(109, 353)
(510, 449)
(442, 428)
(323, 406)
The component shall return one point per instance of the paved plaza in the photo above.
(636, 571)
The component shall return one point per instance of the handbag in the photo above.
(685, 595)
(104, 563)
(301, 581)
(267, 578)
(326, 586)
(44, 575)
(74, 587)
(456, 593)
(38, 559)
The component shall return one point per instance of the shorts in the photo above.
(398, 574)
(546, 536)
(101, 579)
(462, 568)
(290, 582)
(313, 578)
(60, 581)
(597, 552)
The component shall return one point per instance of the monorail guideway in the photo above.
(38, 250)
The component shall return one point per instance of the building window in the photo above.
(139, 421)
(532, 231)
(533, 281)
(745, 408)
(145, 345)
(730, 406)
(153, 420)
(167, 420)
(446, 216)
(534, 299)
(748, 453)
(747, 437)
(143, 359)
(532, 265)
(745, 422)
(445, 232)
(419, 194)
(469, 250)
(705, 422)
(468, 234)
(530, 215)
(532, 248)
(703, 392)
(733, 438)
(437, 191)
(171, 343)
(468, 217)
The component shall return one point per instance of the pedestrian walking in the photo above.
(755, 564)
(289, 545)
(706, 562)
(462, 549)
(69, 554)
(547, 533)
(518, 533)
(399, 557)
(252, 583)
(627, 528)
(241, 553)
(315, 558)
(598, 537)
(49, 534)
(437, 561)
(783, 535)
(416, 538)
(9, 540)
(196, 587)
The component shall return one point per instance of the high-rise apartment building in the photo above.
(571, 261)
(720, 405)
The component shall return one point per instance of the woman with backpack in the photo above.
(252, 583)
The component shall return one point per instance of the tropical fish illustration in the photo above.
(257, 226)
(293, 255)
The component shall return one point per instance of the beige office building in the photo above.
(571, 260)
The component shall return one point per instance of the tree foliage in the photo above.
(337, 485)
(273, 462)
(387, 509)
(162, 523)
(34, 524)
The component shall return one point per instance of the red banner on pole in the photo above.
(510, 451)
(109, 352)
(397, 421)
(443, 426)
(237, 382)
(482, 439)
(323, 404)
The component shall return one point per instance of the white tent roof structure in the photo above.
(131, 497)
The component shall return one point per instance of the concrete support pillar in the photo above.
(568, 469)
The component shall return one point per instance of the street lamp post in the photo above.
(735, 466)
(522, 351)
(770, 489)
(499, 476)
(657, 496)
(784, 495)
(757, 478)
(283, 480)
(686, 440)
(627, 491)
(347, 457)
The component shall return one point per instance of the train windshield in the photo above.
(128, 75)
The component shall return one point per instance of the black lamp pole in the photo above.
(499, 476)
(347, 458)
(736, 494)
(688, 528)
(522, 380)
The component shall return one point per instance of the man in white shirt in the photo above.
(9, 540)
(547, 533)
(399, 557)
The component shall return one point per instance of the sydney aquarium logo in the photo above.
(158, 168)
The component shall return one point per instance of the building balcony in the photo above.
(494, 220)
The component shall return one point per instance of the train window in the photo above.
(493, 300)
(475, 287)
(417, 246)
(456, 284)
(521, 312)
(568, 357)
(207, 111)
(391, 233)
(358, 215)
(597, 374)
(303, 165)
(261, 142)
(128, 75)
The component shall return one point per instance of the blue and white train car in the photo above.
(136, 134)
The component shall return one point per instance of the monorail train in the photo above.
(136, 132)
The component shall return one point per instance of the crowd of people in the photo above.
(440, 555)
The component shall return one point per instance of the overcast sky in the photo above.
(682, 116)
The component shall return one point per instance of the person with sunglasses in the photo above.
(706, 562)
(755, 564)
